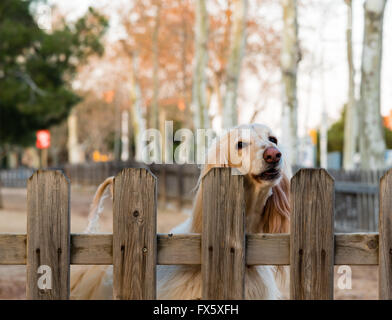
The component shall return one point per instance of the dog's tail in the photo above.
(97, 205)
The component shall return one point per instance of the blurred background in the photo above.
(81, 80)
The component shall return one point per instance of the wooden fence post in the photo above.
(312, 235)
(48, 236)
(134, 235)
(223, 238)
(385, 238)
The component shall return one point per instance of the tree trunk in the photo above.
(155, 50)
(350, 121)
(75, 152)
(184, 38)
(124, 135)
(290, 57)
(372, 142)
(199, 85)
(236, 53)
(117, 132)
(324, 128)
(138, 121)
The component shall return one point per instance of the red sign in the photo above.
(43, 139)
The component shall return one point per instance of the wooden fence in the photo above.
(223, 250)
(356, 192)
(15, 178)
(176, 182)
(357, 199)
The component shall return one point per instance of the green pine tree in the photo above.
(36, 68)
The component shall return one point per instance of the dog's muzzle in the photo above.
(271, 173)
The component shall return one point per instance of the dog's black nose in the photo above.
(272, 155)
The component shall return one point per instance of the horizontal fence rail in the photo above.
(185, 249)
(223, 249)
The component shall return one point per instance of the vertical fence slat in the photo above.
(48, 236)
(312, 235)
(223, 239)
(134, 235)
(385, 238)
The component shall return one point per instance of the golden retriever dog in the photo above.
(251, 149)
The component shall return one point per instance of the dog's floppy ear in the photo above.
(276, 213)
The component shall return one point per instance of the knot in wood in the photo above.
(372, 244)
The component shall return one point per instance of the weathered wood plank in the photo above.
(385, 238)
(184, 249)
(223, 239)
(312, 235)
(13, 249)
(356, 187)
(134, 235)
(179, 248)
(356, 249)
(92, 249)
(364, 205)
(48, 235)
(267, 249)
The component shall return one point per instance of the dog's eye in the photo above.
(273, 140)
(241, 145)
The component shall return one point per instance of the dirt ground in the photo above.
(13, 220)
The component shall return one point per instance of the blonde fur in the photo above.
(97, 205)
(267, 211)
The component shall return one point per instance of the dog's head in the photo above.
(254, 151)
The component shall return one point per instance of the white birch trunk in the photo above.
(324, 139)
(236, 53)
(124, 136)
(184, 63)
(155, 49)
(75, 152)
(199, 84)
(289, 63)
(372, 142)
(138, 120)
(350, 121)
